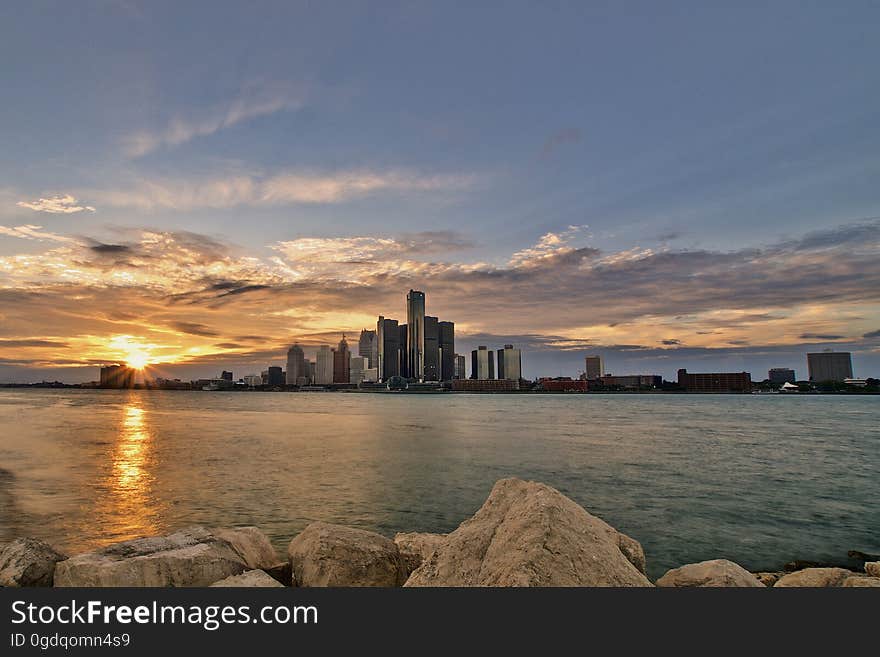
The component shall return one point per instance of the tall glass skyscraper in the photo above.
(388, 343)
(297, 369)
(447, 351)
(415, 320)
(432, 349)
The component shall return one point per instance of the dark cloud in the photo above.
(194, 329)
(33, 343)
(670, 343)
(110, 248)
(872, 334)
(820, 336)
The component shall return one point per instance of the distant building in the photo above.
(594, 368)
(633, 381)
(431, 368)
(358, 365)
(226, 376)
(482, 363)
(275, 376)
(311, 365)
(324, 366)
(415, 321)
(458, 370)
(253, 380)
(297, 367)
(388, 344)
(781, 375)
(715, 381)
(371, 375)
(562, 384)
(509, 363)
(484, 385)
(341, 362)
(447, 351)
(830, 366)
(368, 347)
(117, 376)
(403, 356)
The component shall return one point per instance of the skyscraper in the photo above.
(297, 369)
(368, 346)
(447, 351)
(388, 343)
(275, 376)
(403, 357)
(830, 366)
(781, 375)
(415, 320)
(432, 349)
(509, 363)
(482, 363)
(341, 362)
(324, 366)
(594, 368)
(359, 365)
(458, 370)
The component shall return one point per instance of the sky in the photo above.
(199, 185)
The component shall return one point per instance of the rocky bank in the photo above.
(525, 534)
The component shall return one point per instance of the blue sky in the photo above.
(634, 134)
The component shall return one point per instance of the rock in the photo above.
(415, 547)
(529, 534)
(280, 572)
(333, 555)
(815, 577)
(768, 579)
(28, 562)
(873, 568)
(714, 573)
(190, 557)
(251, 544)
(633, 552)
(251, 578)
(861, 581)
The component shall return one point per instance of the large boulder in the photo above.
(251, 544)
(873, 568)
(250, 579)
(529, 534)
(768, 578)
(194, 556)
(415, 547)
(333, 555)
(714, 573)
(28, 562)
(858, 581)
(815, 577)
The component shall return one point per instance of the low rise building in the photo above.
(715, 381)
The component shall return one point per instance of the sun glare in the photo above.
(137, 359)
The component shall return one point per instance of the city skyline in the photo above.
(708, 202)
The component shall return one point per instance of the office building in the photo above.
(458, 371)
(830, 366)
(403, 357)
(253, 380)
(311, 365)
(388, 344)
(415, 321)
(324, 366)
(562, 384)
(358, 365)
(297, 368)
(117, 376)
(226, 376)
(633, 381)
(341, 362)
(432, 349)
(482, 363)
(715, 381)
(368, 347)
(781, 375)
(594, 368)
(275, 376)
(484, 385)
(509, 363)
(447, 351)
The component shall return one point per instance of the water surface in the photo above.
(760, 479)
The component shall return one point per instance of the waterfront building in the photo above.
(388, 344)
(715, 381)
(253, 380)
(484, 385)
(562, 384)
(594, 368)
(297, 368)
(341, 362)
(781, 375)
(458, 370)
(311, 365)
(634, 381)
(323, 366)
(482, 363)
(117, 376)
(415, 320)
(275, 376)
(432, 349)
(371, 375)
(403, 357)
(357, 366)
(226, 376)
(368, 347)
(447, 351)
(830, 366)
(509, 363)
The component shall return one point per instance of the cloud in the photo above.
(61, 204)
(286, 188)
(31, 232)
(820, 336)
(872, 334)
(670, 343)
(253, 103)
